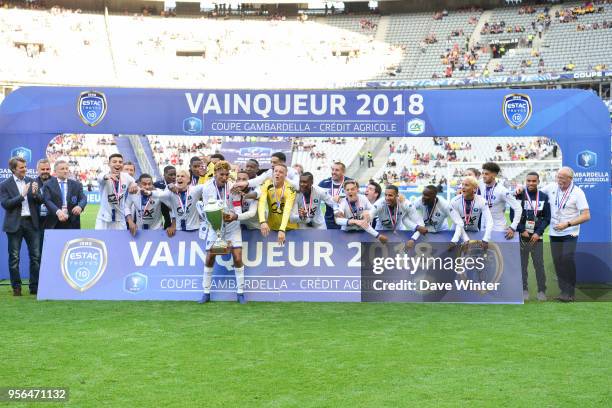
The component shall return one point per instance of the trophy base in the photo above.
(221, 249)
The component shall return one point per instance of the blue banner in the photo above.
(93, 197)
(577, 120)
(314, 265)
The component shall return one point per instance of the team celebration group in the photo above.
(284, 198)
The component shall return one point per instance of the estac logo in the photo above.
(92, 107)
(517, 110)
(83, 262)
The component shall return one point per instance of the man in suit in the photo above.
(169, 178)
(43, 168)
(20, 197)
(64, 199)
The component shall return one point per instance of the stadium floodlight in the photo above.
(317, 5)
(169, 5)
(206, 6)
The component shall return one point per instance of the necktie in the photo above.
(63, 188)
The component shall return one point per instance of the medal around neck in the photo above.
(214, 215)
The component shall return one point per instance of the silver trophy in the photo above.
(214, 211)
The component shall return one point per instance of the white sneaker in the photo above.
(542, 297)
(525, 295)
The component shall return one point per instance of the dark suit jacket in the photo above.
(42, 219)
(11, 201)
(52, 194)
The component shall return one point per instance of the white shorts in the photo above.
(232, 234)
(105, 225)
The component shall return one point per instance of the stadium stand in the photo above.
(425, 160)
(308, 54)
(87, 154)
(178, 150)
(318, 154)
(583, 42)
(445, 37)
(321, 52)
(34, 42)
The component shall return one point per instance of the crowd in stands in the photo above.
(177, 150)
(571, 14)
(516, 151)
(410, 165)
(460, 59)
(313, 54)
(604, 25)
(86, 154)
(500, 28)
(318, 154)
(316, 147)
(409, 162)
(367, 24)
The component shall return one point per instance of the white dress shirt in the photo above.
(25, 206)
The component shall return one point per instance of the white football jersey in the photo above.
(230, 201)
(473, 215)
(147, 210)
(183, 206)
(113, 196)
(314, 208)
(403, 217)
(496, 198)
(355, 210)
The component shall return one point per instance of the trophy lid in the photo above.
(213, 205)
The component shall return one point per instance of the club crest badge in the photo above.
(517, 110)
(83, 262)
(92, 107)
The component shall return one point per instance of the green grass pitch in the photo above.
(181, 354)
(88, 217)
